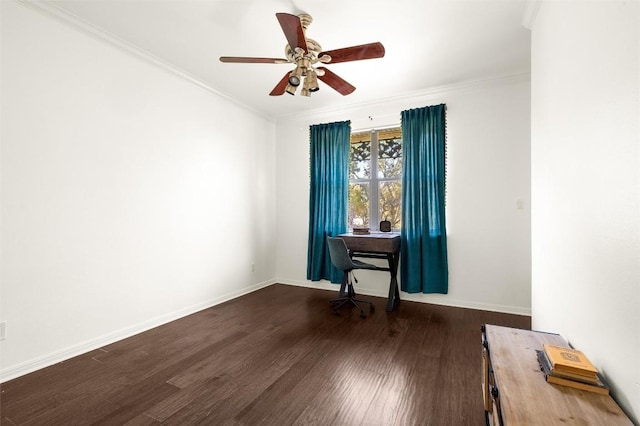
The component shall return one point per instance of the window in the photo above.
(375, 186)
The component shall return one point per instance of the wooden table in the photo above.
(382, 245)
(515, 390)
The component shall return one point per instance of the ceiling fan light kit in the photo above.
(305, 53)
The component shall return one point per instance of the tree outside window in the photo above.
(375, 186)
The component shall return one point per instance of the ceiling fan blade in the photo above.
(337, 83)
(355, 53)
(292, 29)
(245, 60)
(281, 86)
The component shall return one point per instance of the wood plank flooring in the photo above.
(277, 356)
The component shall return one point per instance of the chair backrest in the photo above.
(339, 254)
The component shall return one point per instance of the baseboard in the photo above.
(438, 299)
(455, 303)
(107, 339)
(318, 285)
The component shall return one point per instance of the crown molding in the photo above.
(531, 9)
(413, 97)
(91, 30)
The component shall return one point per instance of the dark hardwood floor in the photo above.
(277, 356)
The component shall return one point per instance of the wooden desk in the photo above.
(516, 393)
(383, 245)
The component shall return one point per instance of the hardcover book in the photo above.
(591, 378)
(545, 366)
(569, 360)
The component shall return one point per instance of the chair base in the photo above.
(350, 298)
(339, 302)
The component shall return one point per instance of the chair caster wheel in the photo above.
(362, 314)
(372, 307)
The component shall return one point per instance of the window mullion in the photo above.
(375, 200)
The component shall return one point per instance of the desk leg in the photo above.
(394, 291)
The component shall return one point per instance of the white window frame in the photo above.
(374, 182)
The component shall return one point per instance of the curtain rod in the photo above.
(375, 129)
(389, 126)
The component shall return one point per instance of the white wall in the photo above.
(488, 171)
(130, 196)
(586, 184)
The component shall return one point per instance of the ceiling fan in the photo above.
(305, 53)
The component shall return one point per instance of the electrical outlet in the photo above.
(3, 330)
(253, 267)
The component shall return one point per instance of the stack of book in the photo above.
(569, 367)
(360, 230)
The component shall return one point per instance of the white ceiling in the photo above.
(428, 43)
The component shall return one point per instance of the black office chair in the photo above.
(341, 260)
